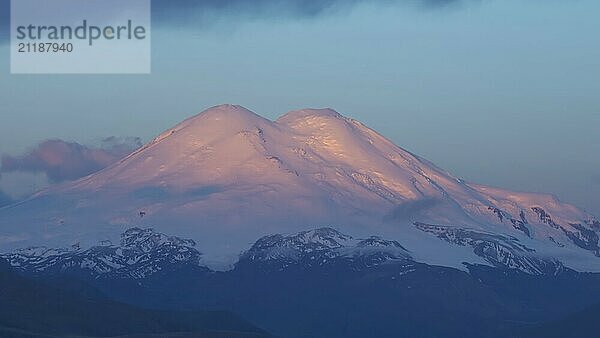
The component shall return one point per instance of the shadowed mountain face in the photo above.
(226, 177)
(579, 324)
(34, 309)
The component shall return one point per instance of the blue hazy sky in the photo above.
(499, 92)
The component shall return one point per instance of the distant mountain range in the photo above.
(144, 252)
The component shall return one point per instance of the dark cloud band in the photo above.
(173, 10)
(177, 12)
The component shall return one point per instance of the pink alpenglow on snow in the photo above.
(227, 176)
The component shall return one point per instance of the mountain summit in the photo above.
(227, 177)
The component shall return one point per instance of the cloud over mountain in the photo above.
(62, 161)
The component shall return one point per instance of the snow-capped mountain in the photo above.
(498, 250)
(143, 252)
(227, 177)
(320, 247)
(140, 254)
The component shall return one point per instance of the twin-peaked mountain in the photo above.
(228, 177)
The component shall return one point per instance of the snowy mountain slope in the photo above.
(321, 247)
(228, 176)
(142, 253)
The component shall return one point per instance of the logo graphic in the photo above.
(80, 36)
